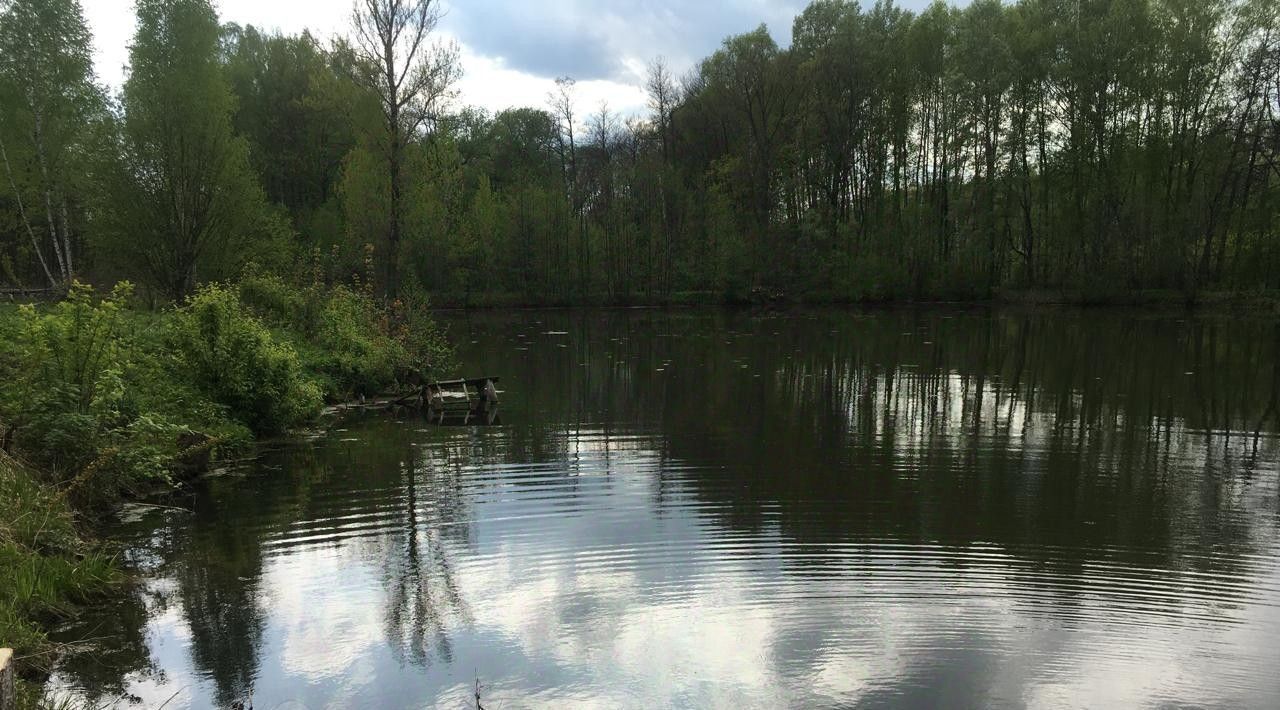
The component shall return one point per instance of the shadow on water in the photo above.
(890, 507)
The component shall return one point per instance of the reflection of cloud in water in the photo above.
(324, 633)
(632, 609)
(873, 522)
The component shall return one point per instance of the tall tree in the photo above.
(413, 76)
(46, 79)
(660, 87)
(184, 202)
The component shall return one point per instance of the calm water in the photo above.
(904, 508)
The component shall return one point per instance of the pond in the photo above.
(912, 507)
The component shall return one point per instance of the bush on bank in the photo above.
(101, 401)
(78, 396)
(105, 399)
(231, 358)
(352, 344)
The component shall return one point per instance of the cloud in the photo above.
(512, 49)
(607, 39)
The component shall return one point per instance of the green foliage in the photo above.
(298, 121)
(280, 303)
(68, 400)
(46, 570)
(110, 401)
(1098, 146)
(107, 400)
(52, 117)
(182, 198)
(1103, 147)
(359, 357)
(234, 359)
(425, 346)
(353, 343)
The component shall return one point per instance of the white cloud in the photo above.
(488, 82)
(491, 84)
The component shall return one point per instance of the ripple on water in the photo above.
(875, 521)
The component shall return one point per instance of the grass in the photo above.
(47, 570)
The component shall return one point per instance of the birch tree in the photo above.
(46, 77)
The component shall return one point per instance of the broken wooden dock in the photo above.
(462, 401)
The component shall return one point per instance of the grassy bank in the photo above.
(102, 400)
(47, 570)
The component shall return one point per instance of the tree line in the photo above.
(1099, 146)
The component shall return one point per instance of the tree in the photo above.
(46, 81)
(750, 84)
(184, 202)
(413, 79)
(562, 102)
(661, 90)
(1091, 146)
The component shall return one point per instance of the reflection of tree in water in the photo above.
(1084, 431)
(1029, 432)
(108, 644)
(423, 600)
(216, 562)
(1090, 457)
(218, 574)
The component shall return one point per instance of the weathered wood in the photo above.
(462, 400)
(8, 699)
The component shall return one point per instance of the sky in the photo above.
(511, 50)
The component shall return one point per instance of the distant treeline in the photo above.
(1099, 146)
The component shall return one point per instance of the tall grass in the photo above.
(46, 570)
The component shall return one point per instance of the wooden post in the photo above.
(8, 699)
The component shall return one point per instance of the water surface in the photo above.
(901, 508)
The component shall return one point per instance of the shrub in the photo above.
(359, 356)
(363, 348)
(281, 303)
(232, 358)
(65, 398)
(426, 349)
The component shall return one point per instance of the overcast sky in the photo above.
(512, 50)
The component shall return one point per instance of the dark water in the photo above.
(905, 508)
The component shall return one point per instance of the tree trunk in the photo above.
(393, 234)
(8, 698)
(64, 260)
(22, 212)
(64, 226)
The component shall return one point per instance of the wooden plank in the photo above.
(8, 699)
(461, 400)
(475, 382)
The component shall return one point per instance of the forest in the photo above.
(256, 226)
(1101, 147)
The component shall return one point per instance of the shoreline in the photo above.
(156, 399)
(1209, 302)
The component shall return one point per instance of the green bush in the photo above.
(426, 349)
(359, 356)
(65, 399)
(231, 357)
(280, 303)
(359, 347)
